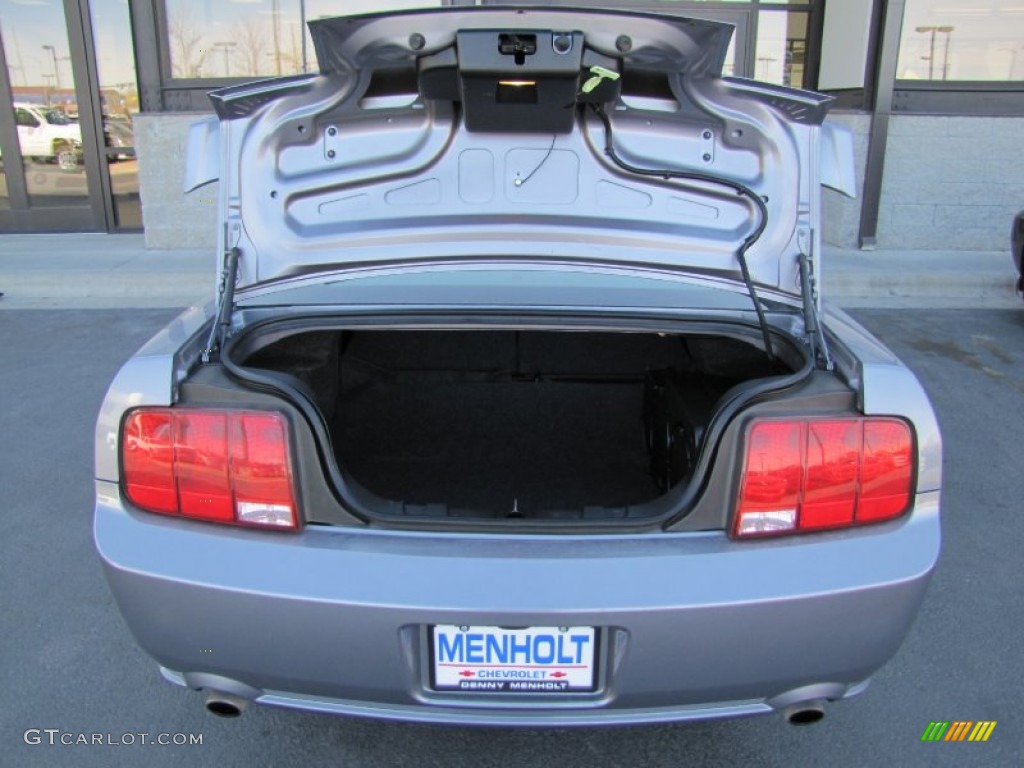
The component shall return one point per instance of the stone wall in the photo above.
(171, 218)
(840, 214)
(951, 183)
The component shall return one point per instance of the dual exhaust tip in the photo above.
(229, 706)
(804, 713)
(225, 704)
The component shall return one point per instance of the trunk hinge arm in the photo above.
(225, 305)
(812, 323)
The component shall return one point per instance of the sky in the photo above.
(28, 25)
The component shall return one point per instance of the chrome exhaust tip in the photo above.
(224, 704)
(804, 713)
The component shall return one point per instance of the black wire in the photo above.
(541, 163)
(741, 254)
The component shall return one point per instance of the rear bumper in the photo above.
(693, 626)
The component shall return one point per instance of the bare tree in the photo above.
(186, 37)
(253, 39)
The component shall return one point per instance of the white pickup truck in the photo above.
(48, 136)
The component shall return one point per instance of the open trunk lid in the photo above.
(535, 135)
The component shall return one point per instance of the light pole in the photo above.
(275, 16)
(226, 48)
(302, 32)
(1013, 59)
(53, 57)
(948, 32)
(931, 49)
(49, 89)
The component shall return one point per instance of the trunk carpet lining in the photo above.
(494, 446)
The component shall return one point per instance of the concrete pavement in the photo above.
(93, 271)
(79, 271)
(68, 661)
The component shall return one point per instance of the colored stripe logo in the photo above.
(958, 730)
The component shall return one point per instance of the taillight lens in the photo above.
(817, 474)
(222, 466)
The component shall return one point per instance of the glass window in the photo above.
(119, 97)
(781, 47)
(962, 40)
(672, 6)
(325, 9)
(254, 38)
(681, 7)
(845, 38)
(45, 105)
(729, 68)
(217, 39)
(24, 119)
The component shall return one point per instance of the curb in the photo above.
(68, 271)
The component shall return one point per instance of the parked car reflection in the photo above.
(117, 132)
(48, 136)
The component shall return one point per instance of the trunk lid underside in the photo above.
(434, 137)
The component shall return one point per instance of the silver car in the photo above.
(1017, 249)
(518, 403)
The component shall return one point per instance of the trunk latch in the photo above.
(517, 46)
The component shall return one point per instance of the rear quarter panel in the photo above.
(886, 387)
(149, 377)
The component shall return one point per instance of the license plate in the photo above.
(499, 660)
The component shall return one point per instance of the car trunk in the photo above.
(491, 424)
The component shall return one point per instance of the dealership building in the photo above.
(96, 97)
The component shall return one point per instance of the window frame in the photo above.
(991, 98)
(983, 98)
(159, 91)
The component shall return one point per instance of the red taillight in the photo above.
(201, 466)
(815, 474)
(222, 466)
(884, 479)
(147, 447)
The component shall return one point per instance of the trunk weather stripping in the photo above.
(225, 305)
(274, 383)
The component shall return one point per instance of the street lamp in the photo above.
(302, 27)
(947, 31)
(53, 57)
(49, 89)
(226, 48)
(1013, 59)
(766, 60)
(275, 20)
